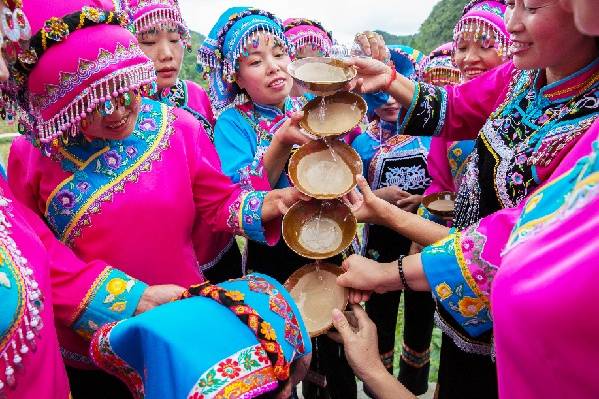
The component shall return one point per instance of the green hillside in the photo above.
(188, 69)
(435, 30)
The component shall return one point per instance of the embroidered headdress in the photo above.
(80, 56)
(438, 68)
(236, 339)
(484, 20)
(227, 41)
(158, 14)
(304, 32)
(406, 61)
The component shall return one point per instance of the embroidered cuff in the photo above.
(426, 114)
(425, 213)
(404, 118)
(113, 296)
(454, 287)
(250, 215)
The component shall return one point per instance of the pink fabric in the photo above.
(480, 12)
(547, 287)
(470, 104)
(66, 56)
(146, 231)
(64, 282)
(302, 31)
(438, 167)
(542, 294)
(199, 101)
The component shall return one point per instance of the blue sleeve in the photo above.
(366, 147)
(235, 142)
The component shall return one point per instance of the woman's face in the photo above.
(543, 35)
(165, 49)
(116, 126)
(474, 57)
(586, 15)
(390, 111)
(263, 72)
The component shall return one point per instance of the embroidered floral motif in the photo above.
(102, 169)
(103, 356)
(245, 372)
(251, 318)
(113, 296)
(280, 306)
(400, 161)
(549, 204)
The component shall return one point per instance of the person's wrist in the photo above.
(375, 374)
(391, 77)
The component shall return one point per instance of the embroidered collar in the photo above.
(570, 86)
(382, 131)
(265, 111)
(175, 96)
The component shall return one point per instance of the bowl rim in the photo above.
(293, 65)
(428, 199)
(295, 180)
(327, 255)
(360, 103)
(295, 277)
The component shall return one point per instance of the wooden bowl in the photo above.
(321, 75)
(441, 204)
(325, 170)
(315, 291)
(319, 229)
(341, 113)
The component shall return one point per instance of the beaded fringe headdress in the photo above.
(438, 68)
(73, 64)
(160, 15)
(227, 41)
(484, 21)
(304, 32)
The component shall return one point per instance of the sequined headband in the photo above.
(301, 21)
(222, 33)
(55, 30)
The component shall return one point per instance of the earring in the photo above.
(10, 25)
(127, 100)
(107, 108)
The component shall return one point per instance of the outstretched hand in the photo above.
(290, 132)
(373, 75)
(372, 209)
(358, 335)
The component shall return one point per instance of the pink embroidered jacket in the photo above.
(142, 203)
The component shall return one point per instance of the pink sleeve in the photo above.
(225, 206)
(437, 164)
(456, 112)
(22, 174)
(199, 100)
(85, 295)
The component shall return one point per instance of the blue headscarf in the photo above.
(406, 61)
(226, 42)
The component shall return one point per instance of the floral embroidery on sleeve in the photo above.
(113, 296)
(426, 114)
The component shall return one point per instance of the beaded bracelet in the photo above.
(402, 276)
